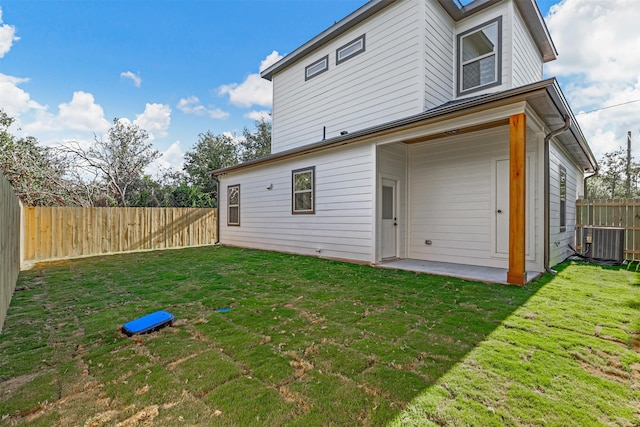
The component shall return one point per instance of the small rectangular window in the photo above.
(350, 50)
(479, 56)
(563, 199)
(318, 67)
(233, 205)
(303, 191)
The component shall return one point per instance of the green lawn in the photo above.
(314, 342)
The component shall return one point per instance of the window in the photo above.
(318, 67)
(233, 205)
(479, 57)
(350, 50)
(303, 191)
(563, 199)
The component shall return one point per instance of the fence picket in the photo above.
(65, 232)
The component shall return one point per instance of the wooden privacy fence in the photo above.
(621, 213)
(9, 245)
(67, 232)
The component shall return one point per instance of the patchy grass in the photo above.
(316, 342)
(568, 356)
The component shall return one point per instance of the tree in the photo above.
(38, 175)
(610, 183)
(210, 152)
(256, 144)
(119, 162)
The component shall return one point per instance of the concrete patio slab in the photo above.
(462, 271)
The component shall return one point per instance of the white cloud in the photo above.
(259, 115)
(171, 158)
(14, 100)
(155, 119)
(137, 81)
(80, 114)
(7, 37)
(254, 90)
(192, 105)
(597, 64)
(271, 59)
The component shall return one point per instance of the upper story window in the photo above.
(318, 67)
(303, 191)
(350, 49)
(479, 57)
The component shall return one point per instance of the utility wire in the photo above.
(610, 106)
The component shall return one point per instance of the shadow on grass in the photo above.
(569, 356)
(308, 341)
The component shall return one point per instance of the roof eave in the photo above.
(550, 86)
(538, 28)
(528, 8)
(555, 93)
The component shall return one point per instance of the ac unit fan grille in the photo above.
(604, 243)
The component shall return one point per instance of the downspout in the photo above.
(547, 197)
(215, 178)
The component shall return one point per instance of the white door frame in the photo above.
(386, 225)
(530, 237)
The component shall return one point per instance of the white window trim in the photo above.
(229, 205)
(360, 40)
(497, 53)
(312, 170)
(309, 74)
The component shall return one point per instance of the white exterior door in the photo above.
(389, 219)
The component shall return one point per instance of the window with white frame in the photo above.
(350, 50)
(318, 67)
(303, 191)
(233, 204)
(479, 57)
(563, 199)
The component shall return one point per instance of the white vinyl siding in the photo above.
(527, 60)
(560, 240)
(451, 202)
(376, 86)
(439, 55)
(342, 226)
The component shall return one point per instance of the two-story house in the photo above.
(419, 130)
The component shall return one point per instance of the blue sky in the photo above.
(180, 68)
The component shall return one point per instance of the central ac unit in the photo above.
(603, 243)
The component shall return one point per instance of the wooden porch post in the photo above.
(517, 197)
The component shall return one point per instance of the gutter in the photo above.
(547, 183)
(436, 113)
(217, 180)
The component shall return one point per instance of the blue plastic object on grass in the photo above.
(223, 310)
(149, 323)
